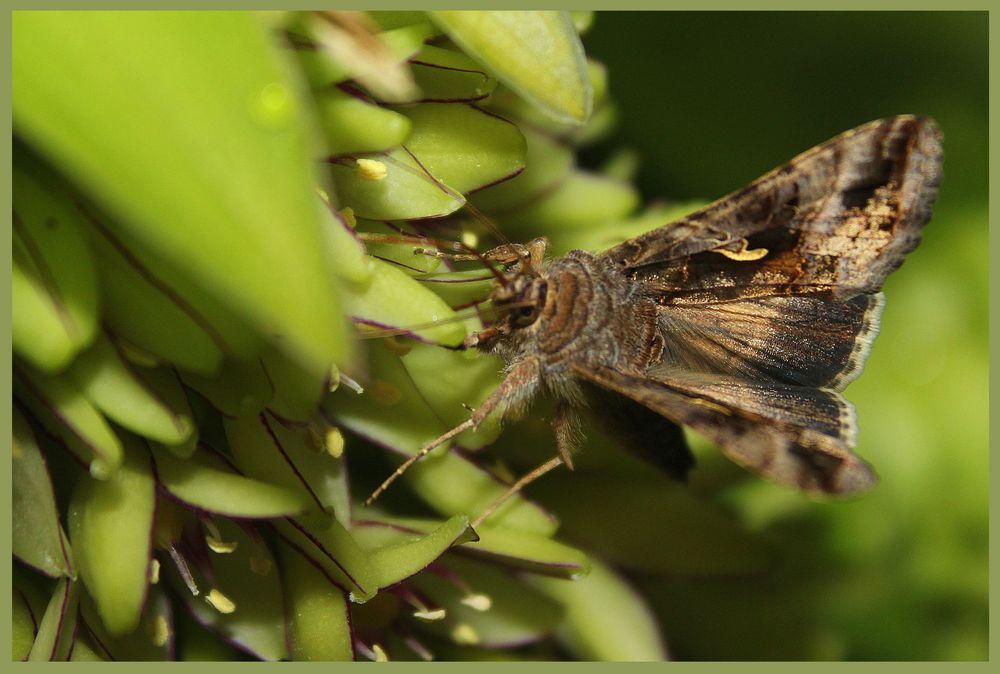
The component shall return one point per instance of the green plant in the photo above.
(190, 445)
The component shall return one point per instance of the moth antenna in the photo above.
(397, 263)
(551, 464)
(376, 237)
(487, 223)
(471, 254)
(424, 451)
(378, 332)
(472, 304)
(429, 279)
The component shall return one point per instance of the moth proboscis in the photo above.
(743, 321)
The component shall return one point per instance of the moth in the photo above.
(743, 321)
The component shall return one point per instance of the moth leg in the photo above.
(552, 463)
(530, 255)
(537, 248)
(482, 337)
(517, 386)
(424, 451)
(456, 257)
(507, 253)
(566, 425)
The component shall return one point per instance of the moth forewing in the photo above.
(743, 320)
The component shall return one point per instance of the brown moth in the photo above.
(743, 321)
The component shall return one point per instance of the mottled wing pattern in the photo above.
(798, 436)
(836, 220)
(768, 301)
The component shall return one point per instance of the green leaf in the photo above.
(394, 300)
(152, 640)
(38, 538)
(268, 450)
(196, 644)
(319, 619)
(332, 549)
(447, 75)
(606, 619)
(147, 402)
(547, 163)
(28, 587)
(529, 551)
(111, 526)
(66, 412)
(502, 612)
(239, 389)
(463, 146)
(221, 188)
(582, 201)
(249, 613)
(297, 388)
(391, 186)
(22, 627)
(204, 486)
(397, 561)
(353, 125)
(602, 118)
(405, 41)
(388, 20)
(714, 542)
(347, 254)
(149, 313)
(55, 632)
(459, 287)
(582, 20)
(84, 650)
(335, 54)
(538, 54)
(601, 238)
(448, 381)
(54, 284)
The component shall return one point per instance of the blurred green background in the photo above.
(712, 100)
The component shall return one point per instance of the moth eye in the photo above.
(525, 316)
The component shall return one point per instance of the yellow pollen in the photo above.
(219, 546)
(478, 601)
(334, 442)
(371, 169)
(470, 239)
(160, 631)
(465, 634)
(438, 614)
(220, 602)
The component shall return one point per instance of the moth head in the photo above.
(520, 302)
